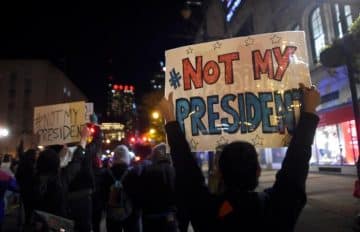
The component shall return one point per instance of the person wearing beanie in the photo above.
(120, 170)
(158, 181)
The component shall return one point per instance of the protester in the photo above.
(7, 182)
(78, 178)
(118, 174)
(48, 195)
(158, 204)
(24, 176)
(239, 207)
(99, 197)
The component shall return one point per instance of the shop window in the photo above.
(318, 36)
(337, 144)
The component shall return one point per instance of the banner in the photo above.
(242, 88)
(59, 124)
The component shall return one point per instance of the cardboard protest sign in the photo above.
(242, 88)
(56, 223)
(59, 124)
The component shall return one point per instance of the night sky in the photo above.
(92, 42)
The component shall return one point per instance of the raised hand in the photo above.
(166, 107)
(310, 99)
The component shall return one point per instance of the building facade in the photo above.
(25, 84)
(335, 146)
(121, 107)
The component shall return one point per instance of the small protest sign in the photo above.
(60, 123)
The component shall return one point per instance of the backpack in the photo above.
(119, 205)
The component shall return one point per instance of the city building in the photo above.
(121, 107)
(25, 84)
(157, 82)
(336, 145)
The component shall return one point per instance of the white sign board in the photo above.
(59, 124)
(242, 88)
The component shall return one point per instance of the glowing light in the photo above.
(137, 158)
(152, 131)
(4, 132)
(155, 115)
(107, 151)
(108, 141)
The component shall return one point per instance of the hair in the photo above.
(121, 155)
(7, 158)
(48, 162)
(158, 154)
(238, 164)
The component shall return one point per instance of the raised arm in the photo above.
(295, 166)
(190, 185)
(187, 170)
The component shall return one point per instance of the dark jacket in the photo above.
(158, 182)
(116, 171)
(78, 174)
(48, 194)
(277, 209)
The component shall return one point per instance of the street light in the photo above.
(155, 115)
(152, 131)
(4, 132)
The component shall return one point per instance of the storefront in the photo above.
(335, 147)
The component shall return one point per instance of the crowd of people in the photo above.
(162, 192)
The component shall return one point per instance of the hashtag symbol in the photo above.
(174, 79)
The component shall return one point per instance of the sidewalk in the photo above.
(330, 206)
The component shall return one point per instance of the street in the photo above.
(330, 205)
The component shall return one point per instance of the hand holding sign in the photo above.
(166, 107)
(311, 98)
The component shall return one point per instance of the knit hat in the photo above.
(121, 155)
(159, 153)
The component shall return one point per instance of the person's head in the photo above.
(239, 166)
(6, 161)
(121, 155)
(158, 154)
(93, 118)
(48, 162)
(7, 158)
(29, 157)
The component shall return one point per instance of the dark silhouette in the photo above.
(240, 207)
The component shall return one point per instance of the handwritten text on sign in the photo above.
(238, 89)
(59, 124)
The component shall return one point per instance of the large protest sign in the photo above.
(59, 124)
(242, 88)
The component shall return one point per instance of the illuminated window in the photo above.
(318, 36)
(343, 19)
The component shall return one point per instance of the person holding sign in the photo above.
(240, 207)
